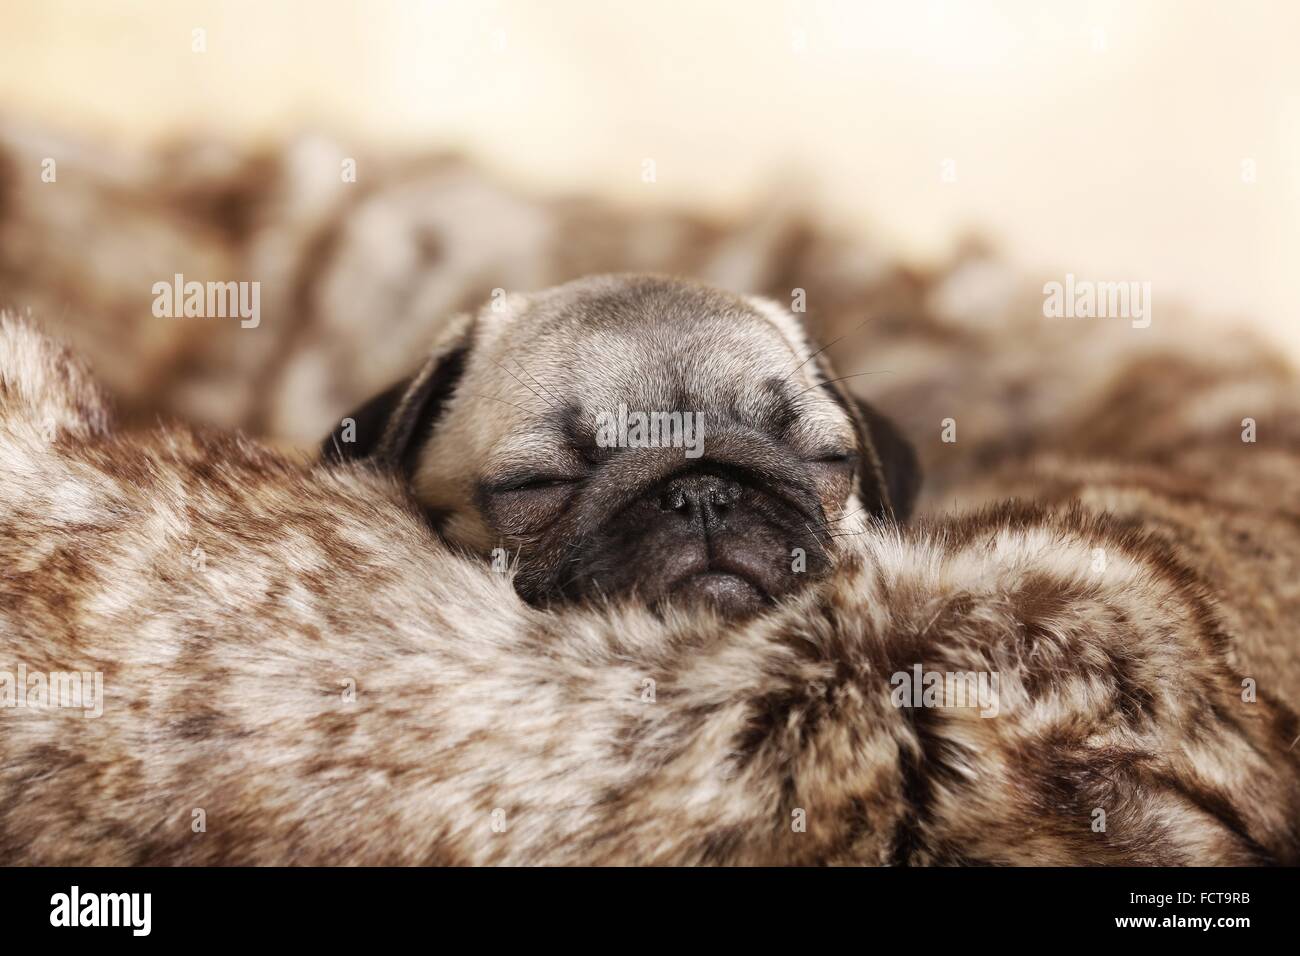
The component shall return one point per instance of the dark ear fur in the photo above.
(898, 461)
(368, 423)
(390, 428)
(889, 474)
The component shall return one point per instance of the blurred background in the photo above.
(1153, 140)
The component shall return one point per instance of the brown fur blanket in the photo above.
(294, 671)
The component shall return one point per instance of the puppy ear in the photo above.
(898, 461)
(889, 474)
(391, 428)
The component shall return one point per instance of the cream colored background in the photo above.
(1103, 138)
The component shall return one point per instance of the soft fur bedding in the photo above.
(295, 671)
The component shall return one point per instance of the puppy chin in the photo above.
(730, 595)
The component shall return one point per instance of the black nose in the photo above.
(703, 498)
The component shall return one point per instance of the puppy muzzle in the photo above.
(734, 530)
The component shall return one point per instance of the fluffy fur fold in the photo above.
(296, 671)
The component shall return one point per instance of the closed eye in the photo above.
(536, 483)
(836, 458)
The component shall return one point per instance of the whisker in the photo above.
(550, 391)
(523, 383)
(856, 328)
(879, 371)
(847, 534)
(493, 398)
(830, 521)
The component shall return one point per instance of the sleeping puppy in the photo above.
(637, 437)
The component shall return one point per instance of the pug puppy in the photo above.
(638, 437)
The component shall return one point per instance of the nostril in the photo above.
(701, 495)
(674, 499)
(724, 494)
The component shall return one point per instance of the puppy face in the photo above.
(639, 437)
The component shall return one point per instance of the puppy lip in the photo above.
(719, 568)
(721, 587)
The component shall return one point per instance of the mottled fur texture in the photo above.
(485, 731)
(229, 594)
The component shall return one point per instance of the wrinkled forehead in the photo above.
(660, 344)
(551, 365)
